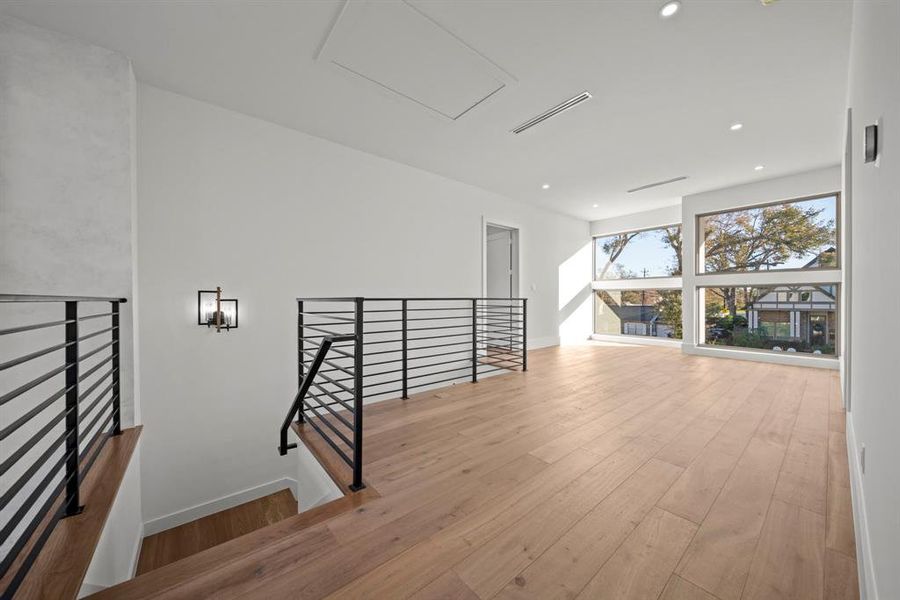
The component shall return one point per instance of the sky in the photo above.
(648, 251)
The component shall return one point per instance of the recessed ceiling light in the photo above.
(596, 205)
(758, 168)
(669, 8)
(737, 126)
(546, 186)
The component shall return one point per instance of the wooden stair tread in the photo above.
(179, 542)
(179, 572)
(63, 562)
(301, 529)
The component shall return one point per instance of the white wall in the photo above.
(67, 119)
(647, 219)
(116, 555)
(271, 214)
(809, 183)
(66, 136)
(874, 96)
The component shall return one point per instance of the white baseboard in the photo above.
(543, 342)
(89, 588)
(868, 589)
(796, 359)
(208, 508)
(636, 340)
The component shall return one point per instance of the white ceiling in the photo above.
(665, 91)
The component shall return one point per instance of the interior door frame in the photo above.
(501, 224)
(845, 313)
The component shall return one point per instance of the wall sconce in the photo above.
(215, 311)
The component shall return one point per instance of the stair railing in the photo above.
(300, 402)
(353, 350)
(63, 405)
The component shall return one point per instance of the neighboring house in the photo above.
(804, 313)
(631, 313)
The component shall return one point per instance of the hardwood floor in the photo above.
(180, 542)
(603, 472)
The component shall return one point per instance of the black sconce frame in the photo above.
(211, 323)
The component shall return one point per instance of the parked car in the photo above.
(717, 333)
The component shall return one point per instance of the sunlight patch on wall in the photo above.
(574, 301)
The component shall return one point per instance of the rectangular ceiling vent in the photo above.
(658, 183)
(559, 108)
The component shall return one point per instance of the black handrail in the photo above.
(398, 345)
(48, 489)
(305, 384)
(47, 298)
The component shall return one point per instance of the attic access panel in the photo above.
(393, 45)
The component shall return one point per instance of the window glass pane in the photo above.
(793, 235)
(789, 318)
(648, 253)
(649, 313)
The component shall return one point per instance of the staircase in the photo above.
(351, 351)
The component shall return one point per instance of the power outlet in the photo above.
(862, 459)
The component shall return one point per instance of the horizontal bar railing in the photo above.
(62, 445)
(352, 350)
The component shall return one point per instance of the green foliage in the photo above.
(730, 322)
(752, 339)
(761, 238)
(669, 308)
(749, 240)
(758, 339)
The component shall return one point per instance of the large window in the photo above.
(646, 312)
(784, 318)
(800, 234)
(631, 308)
(636, 254)
(744, 304)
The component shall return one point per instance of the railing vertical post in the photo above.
(72, 501)
(117, 387)
(524, 334)
(358, 396)
(405, 348)
(474, 340)
(300, 356)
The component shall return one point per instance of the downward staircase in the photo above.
(351, 351)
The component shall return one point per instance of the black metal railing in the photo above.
(351, 350)
(60, 402)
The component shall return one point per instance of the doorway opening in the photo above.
(501, 261)
(501, 282)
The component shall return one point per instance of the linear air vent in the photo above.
(658, 183)
(570, 103)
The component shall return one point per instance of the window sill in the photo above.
(637, 340)
(783, 358)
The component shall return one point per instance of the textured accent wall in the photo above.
(67, 113)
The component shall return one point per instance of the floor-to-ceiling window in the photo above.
(760, 276)
(637, 283)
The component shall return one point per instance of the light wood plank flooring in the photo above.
(185, 540)
(605, 471)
